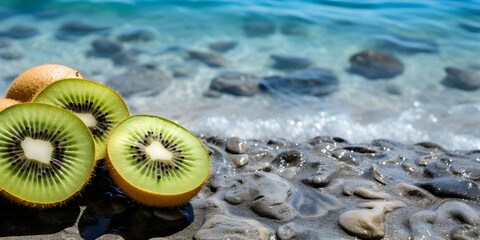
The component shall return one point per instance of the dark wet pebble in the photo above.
(71, 30)
(258, 27)
(348, 157)
(293, 29)
(105, 47)
(315, 82)
(17, 220)
(294, 231)
(360, 149)
(143, 35)
(11, 55)
(466, 168)
(289, 63)
(452, 187)
(182, 70)
(222, 46)
(236, 83)
(208, 58)
(236, 145)
(375, 65)
(321, 178)
(461, 79)
(397, 43)
(290, 158)
(20, 32)
(438, 168)
(141, 79)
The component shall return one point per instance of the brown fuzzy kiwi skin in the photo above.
(150, 198)
(30, 82)
(7, 102)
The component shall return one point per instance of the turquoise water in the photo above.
(411, 107)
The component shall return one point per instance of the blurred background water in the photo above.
(163, 55)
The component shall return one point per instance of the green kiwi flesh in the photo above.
(156, 156)
(46, 154)
(99, 106)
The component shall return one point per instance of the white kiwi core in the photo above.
(157, 152)
(38, 150)
(87, 118)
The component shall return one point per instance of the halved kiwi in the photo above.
(99, 106)
(156, 161)
(46, 154)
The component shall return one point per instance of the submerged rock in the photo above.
(315, 82)
(11, 54)
(235, 83)
(73, 29)
(223, 46)
(375, 65)
(208, 58)
(143, 35)
(141, 79)
(258, 27)
(105, 47)
(288, 63)
(452, 187)
(20, 32)
(293, 29)
(461, 79)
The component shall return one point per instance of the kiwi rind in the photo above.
(82, 95)
(59, 185)
(33, 80)
(170, 190)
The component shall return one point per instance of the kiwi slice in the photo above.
(156, 161)
(46, 154)
(99, 106)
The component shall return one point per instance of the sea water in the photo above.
(411, 107)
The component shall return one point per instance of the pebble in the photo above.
(266, 194)
(219, 227)
(452, 188)
(239, 160)
(236, 145)
(126, 57)
(139, 35)
(461, 79)
(11, 54)
(294, 231)
(314, 82)
(140, 79)
(208, 58)
(289, 158)
(258, 27)
(375, 65)
(182, 70)
(369, 221)
(20, 32)
(289, 63)
(235, 83)
(223, 46)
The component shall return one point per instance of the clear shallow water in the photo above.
(362, 110)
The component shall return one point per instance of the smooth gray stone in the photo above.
(236, 145)
(208, 58)
(72, 30)
(288, 63)
(294, 231)
(143, 79)
(126, 57)
(106, 47)
(316, 82)
(11, 55)
(449, 187)
(461, 79)
(258, 27)
(223, 46)
(235, 83)
(219, 227)
(375, 65)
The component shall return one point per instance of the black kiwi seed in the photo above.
(102, 125)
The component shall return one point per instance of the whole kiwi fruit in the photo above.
(156, 161)
(35, 79)
(46, 154)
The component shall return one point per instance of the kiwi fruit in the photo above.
(7, 102)
(156, 161)
(46, 154)
(99, 106)
(33, 80)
